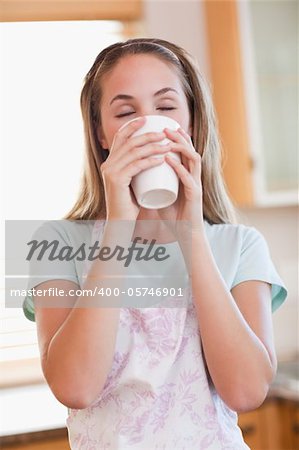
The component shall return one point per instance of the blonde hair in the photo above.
(217, 206)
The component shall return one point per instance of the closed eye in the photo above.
(162, 108)
(125, 114)
(166, 108)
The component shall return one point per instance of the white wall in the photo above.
(280, 229)
(181, 22)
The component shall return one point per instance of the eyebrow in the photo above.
(130, 97)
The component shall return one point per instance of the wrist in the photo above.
(199, 239)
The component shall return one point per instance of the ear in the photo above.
(101, 138)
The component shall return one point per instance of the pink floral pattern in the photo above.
(158, 394)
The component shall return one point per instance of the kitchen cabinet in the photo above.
(260, 428)
(250, 424)
(41, 440)
(290, 423)
(51, 444)
(273, 426)
(26, 10)
(295, 427)
(252, 47)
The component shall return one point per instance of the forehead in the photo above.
(139, 73)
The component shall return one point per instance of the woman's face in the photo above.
(140, 85)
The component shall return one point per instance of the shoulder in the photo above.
(235, 241)
(228, 233)
(66, 231)
(245, 250)
(233, 232)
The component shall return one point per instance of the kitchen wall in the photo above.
(183, 23)
(280, 229)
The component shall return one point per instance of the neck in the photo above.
(148, 214)
(152, 230)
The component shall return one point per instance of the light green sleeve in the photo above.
(255, 263)
(45, 270)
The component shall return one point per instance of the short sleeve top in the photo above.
(240, 252)
(158, 393)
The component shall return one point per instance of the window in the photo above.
(43, 66)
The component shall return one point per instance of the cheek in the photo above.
(109, 136)
(107, 132)
(188, 125)
(185, 121)
(183, 117)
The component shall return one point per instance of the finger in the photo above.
(136, 141)
(185, 150)
(185, 135)
(138, 153)
(126, 131)
(143, 164)
(191, 161)
(181, 137)
(181, 171)
(148, 150)
(175, 136)
(186, 163)
(146, 138)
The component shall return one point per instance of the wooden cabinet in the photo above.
(295, 426)
(28, 10)
(251, 426)
(273, 426)
(290, 423)
(252, 48)
(56, 439)
(226, 78)
(51, 444)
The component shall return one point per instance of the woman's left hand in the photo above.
(189, 202)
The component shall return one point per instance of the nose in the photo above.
(147, 110)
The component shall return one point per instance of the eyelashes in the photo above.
(133, 112)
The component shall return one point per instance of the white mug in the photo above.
(156, 187)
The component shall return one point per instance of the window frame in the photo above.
(55, 10)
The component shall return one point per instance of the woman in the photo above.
(159, 377)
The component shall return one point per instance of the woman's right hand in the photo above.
(127, 157)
